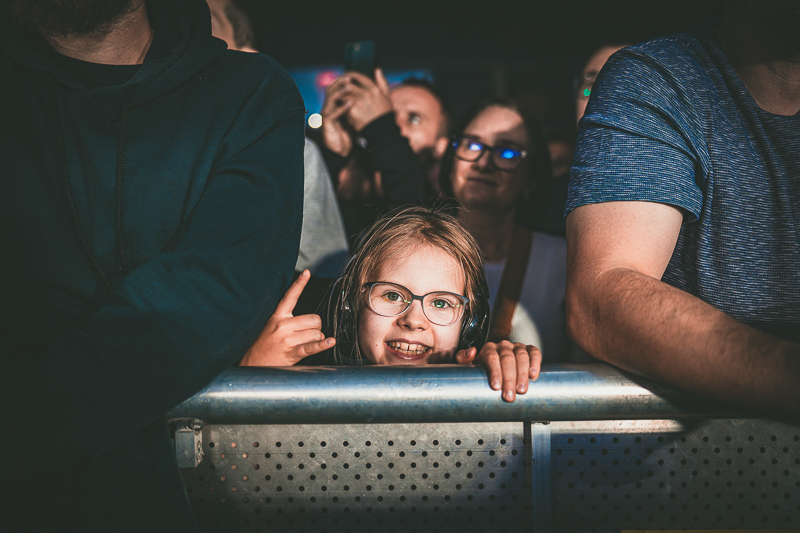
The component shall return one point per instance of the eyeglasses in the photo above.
(584, 84)
(502, 157)
(440, 307)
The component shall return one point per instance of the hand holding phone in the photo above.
(367, 99)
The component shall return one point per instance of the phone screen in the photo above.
(360, 57)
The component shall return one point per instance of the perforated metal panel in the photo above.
(605, 477)
(381, 478)
(719, 474)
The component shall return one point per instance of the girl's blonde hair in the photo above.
(391, 237)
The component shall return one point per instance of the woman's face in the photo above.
(411, 339)
(479, 184)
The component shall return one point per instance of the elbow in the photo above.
(582, 318)
(576, 315)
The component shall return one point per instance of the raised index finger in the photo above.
(289, 300)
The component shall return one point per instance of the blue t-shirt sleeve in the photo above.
(639, 139)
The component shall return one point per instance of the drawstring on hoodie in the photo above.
(69, 196)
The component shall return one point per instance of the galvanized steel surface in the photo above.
(592, 476)
(614, 476)
(363, 478)
(438, 393)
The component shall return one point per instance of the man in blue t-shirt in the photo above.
(684, 210)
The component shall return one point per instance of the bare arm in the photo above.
(619, 311)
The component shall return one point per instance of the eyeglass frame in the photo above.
(370, 284)
(484, 148)
(583, 82)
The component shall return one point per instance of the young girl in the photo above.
(414, 293)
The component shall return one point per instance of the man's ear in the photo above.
(440, 147)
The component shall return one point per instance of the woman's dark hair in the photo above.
(530, 212)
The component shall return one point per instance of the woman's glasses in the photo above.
(390, 299)
(502, 157)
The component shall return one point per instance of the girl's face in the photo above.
(411, 339)
(480, 184)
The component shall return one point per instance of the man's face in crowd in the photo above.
(419, 116)
(588, 75)
(58, 18)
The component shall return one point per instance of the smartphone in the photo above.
(360, 57)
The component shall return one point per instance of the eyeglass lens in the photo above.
(586, 85)
(503, 157)
(441, 308)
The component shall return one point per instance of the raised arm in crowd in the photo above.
(404, 130)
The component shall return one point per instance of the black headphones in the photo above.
(475, 324)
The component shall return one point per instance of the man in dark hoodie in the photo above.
(150, 196)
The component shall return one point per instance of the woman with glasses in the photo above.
(497, 168)
(414, 293)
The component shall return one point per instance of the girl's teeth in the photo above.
(408, 348)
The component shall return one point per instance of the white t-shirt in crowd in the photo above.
(540, 316)
(323, 242)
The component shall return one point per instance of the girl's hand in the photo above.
(509, 365)
(286, 339)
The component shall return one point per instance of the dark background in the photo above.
(529, 50)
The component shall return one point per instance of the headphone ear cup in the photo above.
(341, 318)
(345, 330)
(475, 328)
(467, 333)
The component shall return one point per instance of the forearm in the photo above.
(642, 325)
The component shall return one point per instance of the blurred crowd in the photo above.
(381, 147)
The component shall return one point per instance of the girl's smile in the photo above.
(407, 350)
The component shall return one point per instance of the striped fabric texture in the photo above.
(669, 121)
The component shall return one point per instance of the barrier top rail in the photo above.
(433, 394)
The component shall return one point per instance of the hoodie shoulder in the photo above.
(258, 76)
(253, 95)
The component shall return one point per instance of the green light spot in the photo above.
(587, 92)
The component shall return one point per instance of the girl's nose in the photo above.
(414, 318)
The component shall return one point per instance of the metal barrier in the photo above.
(385, 449)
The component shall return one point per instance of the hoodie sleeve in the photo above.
(403, 180)
(184, 315)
